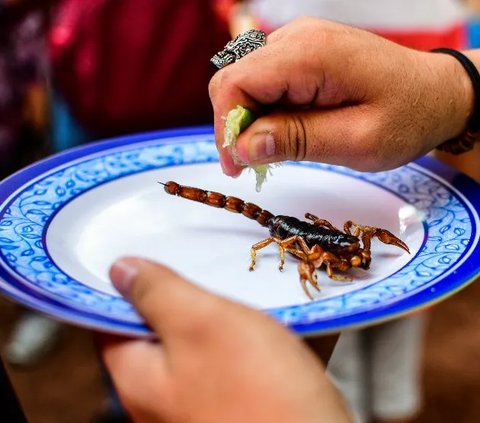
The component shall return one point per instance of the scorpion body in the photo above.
(330, 239)
(315, 244)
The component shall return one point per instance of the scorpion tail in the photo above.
(215, 199)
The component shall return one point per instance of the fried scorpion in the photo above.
(316, 244)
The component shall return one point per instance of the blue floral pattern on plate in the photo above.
(31, 199)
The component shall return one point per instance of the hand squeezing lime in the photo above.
(237, 120)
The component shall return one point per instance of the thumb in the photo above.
(173, 307)
(336, 136)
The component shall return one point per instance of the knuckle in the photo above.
(227, 77)
(296, 138)
(213, 85)
(306, 21)
(221, 79)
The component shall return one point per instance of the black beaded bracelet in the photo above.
(465, 141)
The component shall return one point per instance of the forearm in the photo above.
(453, 99)
(450, 96)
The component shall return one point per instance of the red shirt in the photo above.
(133, 65)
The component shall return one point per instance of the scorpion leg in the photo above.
(320, 222)
(313, 261)
(331, 262)
(308, 273)
(286, 245)
(259, 246)
(334, 276)
(307, 268)
(347, 228)
(283, 245)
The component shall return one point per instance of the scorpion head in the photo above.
(350, 249)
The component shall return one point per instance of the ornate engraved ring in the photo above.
(240, 46)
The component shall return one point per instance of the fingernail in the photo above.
(223, 165)
(123, 273)
(261, 146)
(229, 167)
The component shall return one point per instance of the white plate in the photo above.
(64, 221)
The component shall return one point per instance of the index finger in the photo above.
(253, 82)
(232, 86)
(270, 75)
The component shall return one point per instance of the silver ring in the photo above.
(240, 46)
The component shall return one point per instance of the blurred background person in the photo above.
(126, 66)
(24, 128)
(23, 113)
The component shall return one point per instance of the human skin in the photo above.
(218, 361)
(323, 92)
(331, 93)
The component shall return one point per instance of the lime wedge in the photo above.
(238, 119)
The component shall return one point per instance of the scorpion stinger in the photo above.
(316, 244)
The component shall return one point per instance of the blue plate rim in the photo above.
(446, 286)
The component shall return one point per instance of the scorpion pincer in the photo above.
(316, 243)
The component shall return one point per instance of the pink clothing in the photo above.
(127, 66)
